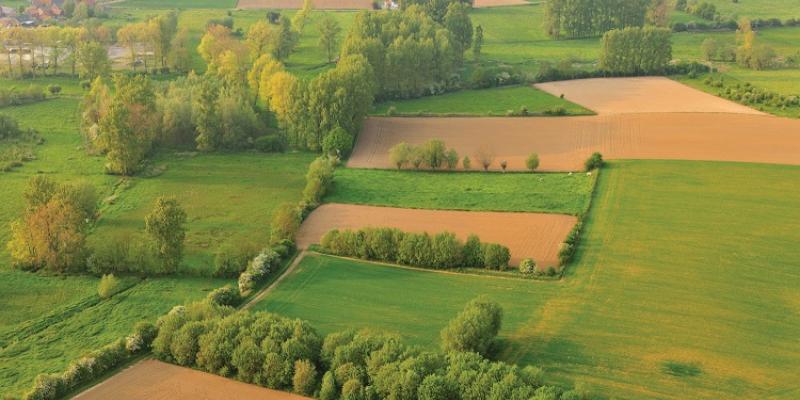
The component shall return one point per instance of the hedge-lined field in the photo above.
(67, 325)
(560, 193)
(684, 286)
(485, 102)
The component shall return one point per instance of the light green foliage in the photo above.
(166, 225)
(474, 329)
(109, 285)
(532, 163)
(636, 50)
(552, 192)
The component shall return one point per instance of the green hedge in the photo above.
(440, 251)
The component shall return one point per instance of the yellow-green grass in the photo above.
(176, 4)
(474, 191)
(685, 286)
(67, 319)
(781, 9)
(485, 102)
(732, 78)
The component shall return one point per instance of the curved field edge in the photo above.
(684, 286)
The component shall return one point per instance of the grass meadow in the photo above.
(685, 286)
(485, 102)
(559, 193)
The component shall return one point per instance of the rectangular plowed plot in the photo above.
(298, 4)
(640, 95)
(527, 235)
(155, 380)
(564, 143)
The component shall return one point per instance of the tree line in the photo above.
(573, 19)
(636, 51)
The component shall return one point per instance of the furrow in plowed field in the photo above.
(563, 143)
(155, 380)
(527, 235)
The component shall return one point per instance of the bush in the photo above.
(318, 181)
(258, 269)
(495, 256)
(225, 296)
(466, 163)
(474, 329)
(270, 144)
(532, 162)
(285, 223)
(54, 89)
(527, 267)
(231, 259)
(338, 142)
(141, 338)
(109, 285)
(595, 161)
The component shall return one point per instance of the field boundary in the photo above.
(272, 285)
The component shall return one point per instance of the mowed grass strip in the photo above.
(559, 193)
(338, 294)
(484, 102)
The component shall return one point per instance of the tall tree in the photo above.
(166, 225)
(92, 60)
(329, 31)
(459, 24)
(477, 44)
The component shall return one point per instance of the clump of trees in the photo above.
(634, 51)
(595, 161)
(413, 52)
(474, 329)
(748, 94)
(433, 154)
(585, 18)
(750, 53)
(440, 251)
(51, 234)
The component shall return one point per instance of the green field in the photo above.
(486, 102)
(685, 286)
(472, 191)
(53, 321)
(179, 4)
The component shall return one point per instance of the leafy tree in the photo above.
(466, 163)
(636, 50)
(458, 22)
(477, 44)
(109, 285)
(92, 60)
(452, 159)
(532, 162)
(284, 40)
(285, 223)
(473, 253)
(304, 380)
(475, 328)
(595, 161)
(527, 266)
(179, 57)
(248, 359)
(433, 153)
(329, 31)
(400, 154)
(166, 226)
(495, 256)
(259, 39)
(276, 371)
(329, 391)
(338, 142)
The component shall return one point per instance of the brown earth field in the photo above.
(155, 380)
(527, 235)
(298, 4)
(641, 95)
(563, 143)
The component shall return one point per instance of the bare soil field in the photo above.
(499, 3)
(155, 380)
(563, 143)
(527, 235)
(298, 4)
(641, 95)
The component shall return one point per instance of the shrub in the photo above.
(495, 256)
(141, 338)
(270, 144)
(109, 285)
(527, 267)
(466, 163)
(532, 162)
(474, 329)
(318, 180)
(452, 159)
(225, 296)
(54, 89)
(328, 391)
(232, 258)
(433, 153)
(594, 161)
(338, 142)
(285, 223)
(473, 253)
(448, 251)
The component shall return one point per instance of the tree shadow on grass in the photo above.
(681, 369)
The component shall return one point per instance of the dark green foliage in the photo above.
(231, 259)
(634, 51)
(595, 161)
(338, 143)
(318, 181)
(9, 128)
(225, 296)
(14, 97)
(584, 18)
(474, 329)
(270, 143)
(570, 245)
(441, 251)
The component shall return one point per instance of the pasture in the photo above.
(477, 191)
(484, 102)
(682, 288)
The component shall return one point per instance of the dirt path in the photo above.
(537, 236)
(155, 380)
(298, 4)
(563, 143)
(641, 95)
(265, 291)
